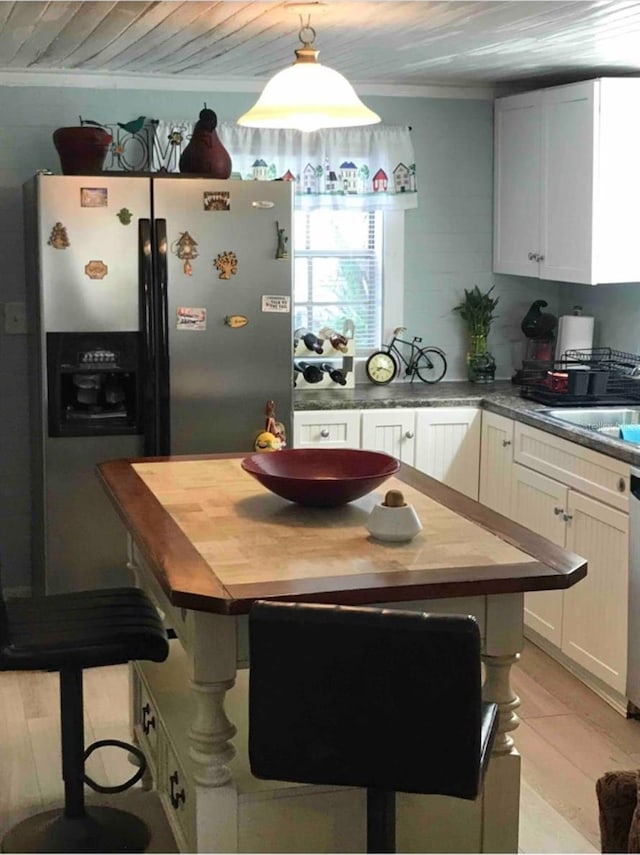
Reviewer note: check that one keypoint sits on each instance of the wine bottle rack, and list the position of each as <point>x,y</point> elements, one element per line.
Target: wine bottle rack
<point>338,358</point>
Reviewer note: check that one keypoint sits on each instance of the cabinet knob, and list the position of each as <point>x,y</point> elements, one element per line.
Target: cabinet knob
<point>622,485</point>
<point>567,517</point>
<point>557,511</point>
<point>409,434</point>
<point>506,442</point>
<point>324,433</point>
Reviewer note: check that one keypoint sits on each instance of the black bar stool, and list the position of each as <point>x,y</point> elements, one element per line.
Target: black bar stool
<point>384,699</point>
<point>66,633</point>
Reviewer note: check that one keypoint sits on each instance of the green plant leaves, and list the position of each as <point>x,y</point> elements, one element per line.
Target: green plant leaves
<point>478,310</point>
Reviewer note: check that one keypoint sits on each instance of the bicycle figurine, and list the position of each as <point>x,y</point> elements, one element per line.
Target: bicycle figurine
<point>429,363</point>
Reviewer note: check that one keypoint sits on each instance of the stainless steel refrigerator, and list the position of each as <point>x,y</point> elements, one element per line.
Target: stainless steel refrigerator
<point>160,321</point>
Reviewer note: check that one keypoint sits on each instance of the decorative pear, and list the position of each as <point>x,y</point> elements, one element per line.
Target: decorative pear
<point>204,153</point>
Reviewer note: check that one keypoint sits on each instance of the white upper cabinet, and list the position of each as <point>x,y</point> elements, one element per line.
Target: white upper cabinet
<point>517,184</point>
<point>566,177</point>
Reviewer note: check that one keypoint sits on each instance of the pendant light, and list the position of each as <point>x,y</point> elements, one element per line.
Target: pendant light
<point>308,96</point>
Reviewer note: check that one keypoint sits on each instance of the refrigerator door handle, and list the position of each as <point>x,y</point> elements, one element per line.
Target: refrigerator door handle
<point>162,336</point>
<point>147,327</point>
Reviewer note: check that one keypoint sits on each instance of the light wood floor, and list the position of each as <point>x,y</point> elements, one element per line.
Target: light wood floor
<point>567,737</point>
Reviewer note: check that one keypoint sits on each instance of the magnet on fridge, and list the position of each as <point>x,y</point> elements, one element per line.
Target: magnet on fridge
<point>94,197</point>
<point>281,251</point>
<point>236,321</point>
<point>227,264</point>
<point>219,200</point>
<point>124,215</point>
<point>96,269</point>
<point>185,248</point>
<point>58,238</point>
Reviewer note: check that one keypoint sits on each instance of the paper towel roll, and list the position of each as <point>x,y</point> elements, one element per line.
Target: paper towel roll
<point>575,332</point>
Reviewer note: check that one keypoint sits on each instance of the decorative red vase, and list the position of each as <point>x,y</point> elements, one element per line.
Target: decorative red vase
<point>204,154</point>
<point>81,150</point>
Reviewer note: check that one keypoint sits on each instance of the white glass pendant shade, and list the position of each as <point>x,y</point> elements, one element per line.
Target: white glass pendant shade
<point>306,97</point>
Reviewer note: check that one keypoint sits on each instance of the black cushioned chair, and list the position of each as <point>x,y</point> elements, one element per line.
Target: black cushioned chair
<point>66,633</point>
<point>384,699</point>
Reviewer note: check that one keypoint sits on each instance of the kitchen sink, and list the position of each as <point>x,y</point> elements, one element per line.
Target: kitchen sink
<point>603,420</point>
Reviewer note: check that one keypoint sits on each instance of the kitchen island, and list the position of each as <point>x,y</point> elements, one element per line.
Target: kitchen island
<point>205,540</point>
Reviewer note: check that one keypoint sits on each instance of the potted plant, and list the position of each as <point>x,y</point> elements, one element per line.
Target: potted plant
<point>477,309</point>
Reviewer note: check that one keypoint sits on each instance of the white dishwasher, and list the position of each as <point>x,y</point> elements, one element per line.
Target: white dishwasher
<point>633,664</point>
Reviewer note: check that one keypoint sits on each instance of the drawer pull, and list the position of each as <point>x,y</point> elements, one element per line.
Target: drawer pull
<point>531,256</point>
<point>324,433</point>
<point>148,720</point>
<point>409,434</point>
<point>557,511</point>
<point>176,796</point>
<point>622,485</point>
<point>567,517</point>
<point>506,442</point>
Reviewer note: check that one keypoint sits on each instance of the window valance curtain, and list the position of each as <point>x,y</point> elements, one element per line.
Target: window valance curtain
<point>365,168</point>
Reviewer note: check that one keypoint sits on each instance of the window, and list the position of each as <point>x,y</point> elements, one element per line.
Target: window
<point>338,272</point>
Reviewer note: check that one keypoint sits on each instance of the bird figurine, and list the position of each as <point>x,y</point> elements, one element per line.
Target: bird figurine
<point>537,324</point>
<point>204,153</point>
<point>134,126</point>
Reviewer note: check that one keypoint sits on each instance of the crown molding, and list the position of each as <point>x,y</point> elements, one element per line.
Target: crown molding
<point>89,80</point>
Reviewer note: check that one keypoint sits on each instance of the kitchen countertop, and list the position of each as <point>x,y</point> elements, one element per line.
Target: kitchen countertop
<point>501,397</point>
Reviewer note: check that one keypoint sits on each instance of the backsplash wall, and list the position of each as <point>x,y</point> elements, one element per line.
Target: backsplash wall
<point>447,243</point>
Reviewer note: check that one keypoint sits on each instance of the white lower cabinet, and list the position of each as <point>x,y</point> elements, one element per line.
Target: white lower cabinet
<point>539,503</point>
<point>391,431</point>
<point>496,462</point>
<point>594,623</point>
<point>443,442</point>
<point>581,507</point>
<point>448,446</point>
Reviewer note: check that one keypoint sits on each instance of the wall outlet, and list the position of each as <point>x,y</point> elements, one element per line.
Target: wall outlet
<point>15,318</point>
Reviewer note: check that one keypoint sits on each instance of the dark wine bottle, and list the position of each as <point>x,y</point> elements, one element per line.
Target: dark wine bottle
<point>336,374</point>
<point>310,372</point>
<point>311,341</point>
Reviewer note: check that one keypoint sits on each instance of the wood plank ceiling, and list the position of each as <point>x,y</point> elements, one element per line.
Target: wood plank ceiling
<point>383,42</point>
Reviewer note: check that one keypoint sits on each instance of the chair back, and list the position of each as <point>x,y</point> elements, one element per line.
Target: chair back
<point>366,697</point>
<point>4,619</point>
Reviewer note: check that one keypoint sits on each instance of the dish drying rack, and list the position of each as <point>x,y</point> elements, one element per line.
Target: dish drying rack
<point>598,375</point>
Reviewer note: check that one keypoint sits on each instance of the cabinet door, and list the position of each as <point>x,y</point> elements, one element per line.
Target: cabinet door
<point>326,429</point>
<point>448,446</point>
<point>496,463</point>
<point>392,431</point>
<point>594,631</point>
<point>569,115</point>
<point>517,185</point>
<point>540,504</point>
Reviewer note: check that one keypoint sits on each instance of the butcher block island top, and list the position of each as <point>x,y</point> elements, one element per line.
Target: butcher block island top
<point>216,540</point>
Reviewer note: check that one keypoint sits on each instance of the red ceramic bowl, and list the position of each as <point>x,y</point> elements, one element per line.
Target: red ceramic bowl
<point>321,477</point>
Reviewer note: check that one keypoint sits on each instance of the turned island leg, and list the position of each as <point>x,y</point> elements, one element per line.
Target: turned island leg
<point>213,665</point>
<point>501,793</point>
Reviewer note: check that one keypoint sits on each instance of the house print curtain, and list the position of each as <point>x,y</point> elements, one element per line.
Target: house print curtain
<point>369,167</point>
